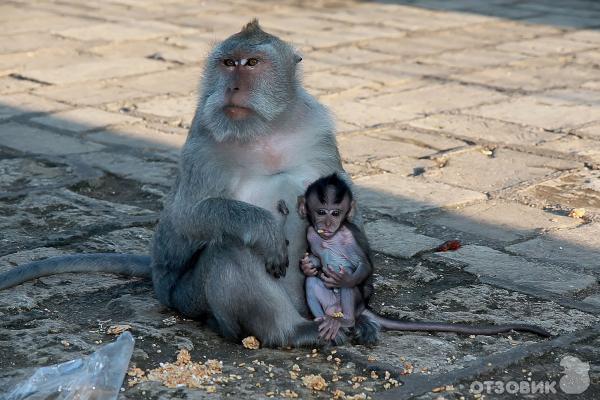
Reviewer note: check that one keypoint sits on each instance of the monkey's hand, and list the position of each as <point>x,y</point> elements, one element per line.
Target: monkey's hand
<point>273,246</point>
<point>334,279</point>
<point>329,327</point>
<point>307,266</point>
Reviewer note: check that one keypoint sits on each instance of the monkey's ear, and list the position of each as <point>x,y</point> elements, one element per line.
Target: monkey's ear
<point>302,207</point>
<point>297,58</point>
<point>352,211</point>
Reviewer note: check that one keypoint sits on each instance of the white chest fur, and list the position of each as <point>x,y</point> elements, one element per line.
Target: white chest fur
<point>272,168</point>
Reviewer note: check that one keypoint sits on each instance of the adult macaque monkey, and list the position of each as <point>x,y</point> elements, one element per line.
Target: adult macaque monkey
<point>341,251</point>
<point>257,136</point>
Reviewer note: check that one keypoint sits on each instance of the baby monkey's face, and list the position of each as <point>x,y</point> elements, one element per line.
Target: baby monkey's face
<point>327,217</point>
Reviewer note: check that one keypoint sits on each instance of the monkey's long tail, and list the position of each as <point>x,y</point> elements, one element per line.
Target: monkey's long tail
<point>395,325</point>
<point>122,264</point>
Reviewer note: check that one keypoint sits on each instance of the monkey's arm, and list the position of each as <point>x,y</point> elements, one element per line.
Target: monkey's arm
<point>216,219</point>
<point>343,279</point>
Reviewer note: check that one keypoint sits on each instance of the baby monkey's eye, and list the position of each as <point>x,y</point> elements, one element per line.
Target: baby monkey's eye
<point>252,62</point>
<point>321,212</point>
<point>335,213</point>
<point>229,62</point>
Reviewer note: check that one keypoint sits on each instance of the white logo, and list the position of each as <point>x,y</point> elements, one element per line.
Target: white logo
<point>577,378</point>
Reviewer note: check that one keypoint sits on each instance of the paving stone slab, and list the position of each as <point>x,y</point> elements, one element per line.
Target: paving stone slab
<point>577,190</point>
<point>177,81</point>
<point>499,220</point>
<point>592,131</point>
<point>39,141</point>
<point>478,170</point>
<point>484,261</point>
<point>58,214</point>
<point>435,141</point>
<point>470,59</point>
<point>364,115</point>
<point>139,137</point>
<point>396,239</point>
<point>362,148</point>
<point>83,119</point>
<point>91,93</point>
<point>435,98</point>
<point>133,30</point>
<point>404,165</point>
<point>180,108</point>
<point>9,85</point>
<point>17,174</point>
<point>545,46</point>
<point>530,77</point>
<point>539,112</point>
<point>32,41</point>
<point>574,146</point>
<point>131,167</point>
<point>15,105</point>
<point>579,247</point>
<point>593,299</point>
<point>17,63</point>
<point>482,129</point>
<point>395,194</point>
<point>95,70</point>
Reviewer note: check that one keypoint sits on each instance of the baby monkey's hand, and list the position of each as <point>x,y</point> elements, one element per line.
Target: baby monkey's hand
<point>307,266</point>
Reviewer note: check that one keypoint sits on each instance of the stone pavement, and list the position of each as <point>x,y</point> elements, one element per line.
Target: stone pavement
<point>470,120</point>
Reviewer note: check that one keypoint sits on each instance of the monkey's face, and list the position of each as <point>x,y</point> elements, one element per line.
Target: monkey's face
<point>327,217</point>
<point>247,86</point>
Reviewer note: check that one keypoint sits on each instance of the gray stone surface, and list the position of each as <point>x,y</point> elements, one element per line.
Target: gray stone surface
<point>395,194</point>
<point>486,171</point>
<point>397,240</point>
<point>500,221</point>
<point>436,103</point>
<point>484,261</point>
<point>83,119</point>
<point>579,247</point>
<point>35,140</point>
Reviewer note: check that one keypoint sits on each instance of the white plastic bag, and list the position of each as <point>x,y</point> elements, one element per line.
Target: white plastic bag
<point>96,377</point>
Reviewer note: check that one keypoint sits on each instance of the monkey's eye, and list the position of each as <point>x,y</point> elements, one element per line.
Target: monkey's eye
<point>252,62</point>
<point>229,62</point>
<point>322,212</point>
<point>335,213</point>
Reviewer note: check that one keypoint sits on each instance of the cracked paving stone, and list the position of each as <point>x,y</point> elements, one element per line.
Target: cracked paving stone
<point>15,105</point>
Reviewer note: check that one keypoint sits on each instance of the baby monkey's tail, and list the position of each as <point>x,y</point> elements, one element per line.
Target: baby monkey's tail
<point>396,325</point>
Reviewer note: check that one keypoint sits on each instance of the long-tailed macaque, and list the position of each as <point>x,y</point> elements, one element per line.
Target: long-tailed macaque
<point>220,251</point>
<point>338,270</point>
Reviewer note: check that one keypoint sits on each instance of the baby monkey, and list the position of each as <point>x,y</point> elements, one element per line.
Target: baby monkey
<point>339,265</point>
<point>339,271</point>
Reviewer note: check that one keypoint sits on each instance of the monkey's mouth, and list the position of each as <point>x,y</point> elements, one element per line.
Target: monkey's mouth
<point>324,233</point>
<point>237,112</point>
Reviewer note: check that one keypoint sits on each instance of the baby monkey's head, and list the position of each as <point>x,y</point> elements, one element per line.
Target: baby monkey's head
<point>327,204</point>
